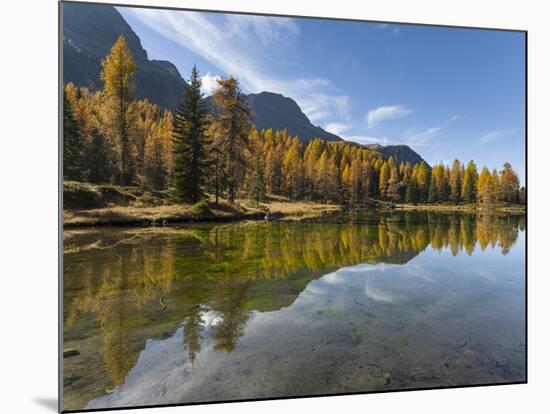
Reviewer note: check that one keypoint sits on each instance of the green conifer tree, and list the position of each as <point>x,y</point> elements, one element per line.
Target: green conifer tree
<point>190,143</point>
<point>72,143</point>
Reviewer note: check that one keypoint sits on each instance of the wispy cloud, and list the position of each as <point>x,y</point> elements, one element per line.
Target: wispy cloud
<point>319,106</point>
<point>373,140</point>
<point>414,136</point>
<point>249,47</point>
<point>424,136</point>
<point>496,135</point>
<point>267,30</point>
<point>385,113</point>
<point>369,139</point>
<point>222,43</point>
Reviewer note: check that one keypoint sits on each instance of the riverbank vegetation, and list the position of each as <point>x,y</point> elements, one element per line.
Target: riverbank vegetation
<point>108,204</point>
<point>132,153</point>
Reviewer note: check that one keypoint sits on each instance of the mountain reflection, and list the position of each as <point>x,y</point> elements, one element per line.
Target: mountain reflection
<point>122,287</point>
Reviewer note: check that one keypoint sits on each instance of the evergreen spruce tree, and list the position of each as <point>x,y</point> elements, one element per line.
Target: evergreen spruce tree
<point>72,143</point>
<point>99,162</point>
<point>411,195</point>
<point>190,143</point>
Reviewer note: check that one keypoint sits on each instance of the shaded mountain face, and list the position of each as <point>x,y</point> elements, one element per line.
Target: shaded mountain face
<point>89,32</point>
<point>273,110</point>
<point>400,153</point>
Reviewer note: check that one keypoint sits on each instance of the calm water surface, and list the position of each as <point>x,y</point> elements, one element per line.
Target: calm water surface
<point>207,312</point>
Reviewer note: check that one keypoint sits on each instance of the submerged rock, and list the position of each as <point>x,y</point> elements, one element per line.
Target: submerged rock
<point>273,216</point>
<point>70,352</point>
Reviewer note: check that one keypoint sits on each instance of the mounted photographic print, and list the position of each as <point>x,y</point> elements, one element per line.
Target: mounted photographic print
<point>259,207</point>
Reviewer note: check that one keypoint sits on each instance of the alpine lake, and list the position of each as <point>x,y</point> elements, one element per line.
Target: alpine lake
<point>350,302</point>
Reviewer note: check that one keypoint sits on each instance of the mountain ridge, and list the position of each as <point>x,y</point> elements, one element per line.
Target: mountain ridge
<point>276,111</point>
<point>272,110</point>
<point>399,152</point>
<point>90,30</point>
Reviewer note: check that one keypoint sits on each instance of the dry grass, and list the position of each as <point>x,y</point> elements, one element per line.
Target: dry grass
<point>178,213</point>
<point>81,196</point>
<point>292,210</point>
<point>128,215</point>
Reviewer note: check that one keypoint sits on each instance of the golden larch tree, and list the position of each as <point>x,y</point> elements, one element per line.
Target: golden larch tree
<point>117,72</point>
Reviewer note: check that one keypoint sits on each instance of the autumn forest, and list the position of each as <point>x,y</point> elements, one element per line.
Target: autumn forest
<point>212,151</point>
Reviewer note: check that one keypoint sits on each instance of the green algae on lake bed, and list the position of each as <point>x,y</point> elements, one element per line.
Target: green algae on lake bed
<point>246,310</point>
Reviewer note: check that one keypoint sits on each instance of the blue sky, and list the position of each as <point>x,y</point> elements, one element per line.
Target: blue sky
<point>448,93</point>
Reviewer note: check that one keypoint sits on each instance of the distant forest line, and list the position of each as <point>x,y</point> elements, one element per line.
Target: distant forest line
<point>110,137</point>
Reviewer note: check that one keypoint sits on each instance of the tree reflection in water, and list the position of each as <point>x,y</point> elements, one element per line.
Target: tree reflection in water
<point>126,286</point>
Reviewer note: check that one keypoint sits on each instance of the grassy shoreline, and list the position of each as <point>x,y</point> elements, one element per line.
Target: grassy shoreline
<point>184,213</point>
<point>87,205</point>
<point>175,214</point>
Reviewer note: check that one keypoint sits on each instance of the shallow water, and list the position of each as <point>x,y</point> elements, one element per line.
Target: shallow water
<point>208,312</point>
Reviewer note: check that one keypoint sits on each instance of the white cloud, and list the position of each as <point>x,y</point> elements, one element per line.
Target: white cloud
<point>384,113</point>
<point>496,135</point>
<point>248,47</point>
<point>318,116</point>
<point>319,106</point>
<point>210,83</point>
<point>336,127</point>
